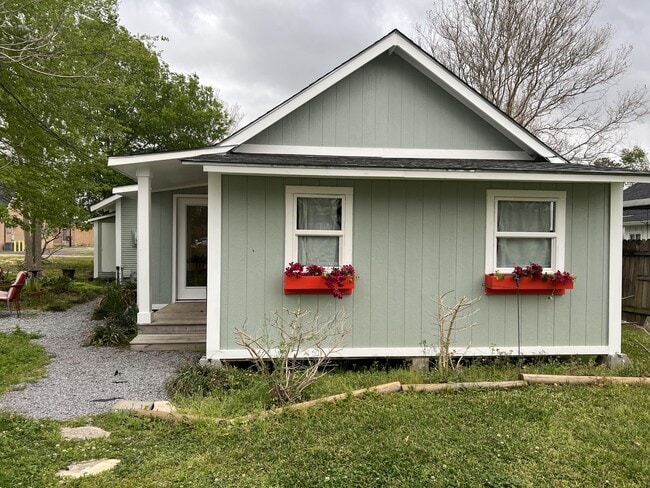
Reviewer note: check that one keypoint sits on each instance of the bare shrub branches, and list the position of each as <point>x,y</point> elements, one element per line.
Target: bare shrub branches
<point>448,318</point>
<point>293,349</point>
<point>542,62</point>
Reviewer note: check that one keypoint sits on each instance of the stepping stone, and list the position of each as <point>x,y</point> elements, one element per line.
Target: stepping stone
<point>163,406</point>
<point>88,468</point>
<point>83,433</point>
<point>132,405</point>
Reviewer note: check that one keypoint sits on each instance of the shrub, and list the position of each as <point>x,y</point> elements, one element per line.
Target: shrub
<point>294,351</point>
<point>195,379</point>
<point>57,284</point>
<point>119,310</point>
<point>113,332</point>
<point>117,298</point>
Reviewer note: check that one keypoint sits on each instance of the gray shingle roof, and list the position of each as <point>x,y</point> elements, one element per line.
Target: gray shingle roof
<point>638,191</point>
<point>636,214</point>
<point>478,165</point>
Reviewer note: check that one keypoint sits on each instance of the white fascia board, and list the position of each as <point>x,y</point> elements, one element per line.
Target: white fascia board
<point>633,223</point>
<point>384,152</point>
<point>106,202</point>
<point>101,217</point>
<point>411,352</point>
<point>417,174</point>
<point>122,190</point>
<point>636,203</point>
<point>165,156</point>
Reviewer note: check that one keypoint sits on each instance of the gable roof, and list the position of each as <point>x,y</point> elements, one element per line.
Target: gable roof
<point>397,43</point>
<point>638,191</point>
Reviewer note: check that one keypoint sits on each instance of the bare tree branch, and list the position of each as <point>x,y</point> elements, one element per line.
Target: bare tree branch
<point>544,63</point>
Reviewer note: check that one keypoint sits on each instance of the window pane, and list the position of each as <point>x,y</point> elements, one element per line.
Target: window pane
<point>319,213</point>
<point>517,216</point>
<point>513,252</point>
<point>196,271</point>
<point>318,250</point>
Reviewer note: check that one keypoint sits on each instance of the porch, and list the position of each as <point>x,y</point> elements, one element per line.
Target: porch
<point>179,326</point>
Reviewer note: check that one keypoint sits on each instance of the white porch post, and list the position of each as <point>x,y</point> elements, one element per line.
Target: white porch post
<point>118,237</point>
<point>615,267</point>
<point>144,238</point>
<point>213,305</point>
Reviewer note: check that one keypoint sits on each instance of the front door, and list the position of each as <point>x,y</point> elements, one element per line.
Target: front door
<point>191,248</point>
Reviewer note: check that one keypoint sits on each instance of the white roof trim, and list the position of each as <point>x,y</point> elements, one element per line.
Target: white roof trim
<point>121,190</point>
<point>101,217</point>
<point>165,156</point>
<point>418,174</point>
<point>105,203</point>
<point>427,66</point>
<point>384,152</point>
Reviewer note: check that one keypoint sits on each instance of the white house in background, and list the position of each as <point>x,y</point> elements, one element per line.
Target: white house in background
<point>393,164</point>
<point>636,212</point>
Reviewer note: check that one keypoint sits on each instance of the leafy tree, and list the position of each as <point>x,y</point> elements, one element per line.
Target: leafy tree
<point>542,62</point>
<point>635,158</point>
<point>75,87</point>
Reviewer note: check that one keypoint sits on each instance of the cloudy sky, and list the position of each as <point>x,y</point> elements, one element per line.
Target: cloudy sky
<point>258,53</point>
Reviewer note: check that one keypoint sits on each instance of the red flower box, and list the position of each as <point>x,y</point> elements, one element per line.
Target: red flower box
<point>313,285</point>
<point>506,285</point>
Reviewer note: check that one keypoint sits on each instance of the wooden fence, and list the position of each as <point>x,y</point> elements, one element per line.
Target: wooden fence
<point>636,280</point>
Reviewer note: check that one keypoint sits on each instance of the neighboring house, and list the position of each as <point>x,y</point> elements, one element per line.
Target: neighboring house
<point>393,164</point>
<point>14,238</point>
<point>636,212</point>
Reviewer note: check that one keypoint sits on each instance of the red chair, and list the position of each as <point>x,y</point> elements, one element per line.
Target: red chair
<point>13,295</point>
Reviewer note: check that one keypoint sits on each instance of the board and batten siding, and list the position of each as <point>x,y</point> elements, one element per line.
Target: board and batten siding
<point>129,220</point>
<point>162,241</point>
<point>162,245</point>
<point>387,103</point>
<point>412,242</point>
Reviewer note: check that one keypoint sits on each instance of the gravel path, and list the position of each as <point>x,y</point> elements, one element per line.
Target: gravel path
<point>84,380</point>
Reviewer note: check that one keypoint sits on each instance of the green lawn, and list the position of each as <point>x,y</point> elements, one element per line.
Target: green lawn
<point>20,359</point>
<point>533,436</point>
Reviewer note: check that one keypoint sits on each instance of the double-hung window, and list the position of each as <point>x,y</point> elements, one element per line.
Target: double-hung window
<point>525,227</point>
<point>319,225</point>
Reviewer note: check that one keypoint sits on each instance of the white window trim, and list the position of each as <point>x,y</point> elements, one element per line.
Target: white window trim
<point>557,249</point>
<point>291,208</point>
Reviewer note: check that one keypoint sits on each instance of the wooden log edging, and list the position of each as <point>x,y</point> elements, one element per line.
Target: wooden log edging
<point>394,387</point>
<point>551,379</point>
<point>379,389</point>
<point>437,387</point>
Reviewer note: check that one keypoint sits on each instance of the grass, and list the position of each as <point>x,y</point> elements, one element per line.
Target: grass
<point>83,264</point>
<point>540,436</point>
<point>21,360</point>
<point>40,296</point>
<point>534,436</point>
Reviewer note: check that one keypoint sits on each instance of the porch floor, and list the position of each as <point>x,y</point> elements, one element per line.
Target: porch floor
<point>178,326</point>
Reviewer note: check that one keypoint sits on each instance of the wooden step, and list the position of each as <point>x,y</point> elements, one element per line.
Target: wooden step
<point>168,342</point>
<point>158,328</point>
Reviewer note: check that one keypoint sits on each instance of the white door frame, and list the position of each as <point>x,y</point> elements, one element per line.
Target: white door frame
<point>179,250</point>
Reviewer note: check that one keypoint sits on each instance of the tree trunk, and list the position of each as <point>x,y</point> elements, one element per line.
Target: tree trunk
<point>33,256</point>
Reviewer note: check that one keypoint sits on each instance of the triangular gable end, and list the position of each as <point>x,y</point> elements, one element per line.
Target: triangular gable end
<point>391,99</point>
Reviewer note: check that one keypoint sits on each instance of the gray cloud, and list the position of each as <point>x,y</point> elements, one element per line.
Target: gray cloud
<point>257,54</point>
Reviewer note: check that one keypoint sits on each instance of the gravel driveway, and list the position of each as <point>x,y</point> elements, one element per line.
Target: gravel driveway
<point>84,380</point>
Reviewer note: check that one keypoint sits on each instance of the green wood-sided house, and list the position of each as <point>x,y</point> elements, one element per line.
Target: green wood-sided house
<point>393,164</point>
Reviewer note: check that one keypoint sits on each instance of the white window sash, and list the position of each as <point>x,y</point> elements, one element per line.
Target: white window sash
<point>492,234</point>
<point>293,233</point>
